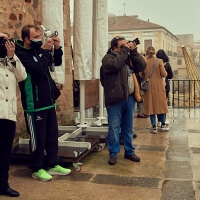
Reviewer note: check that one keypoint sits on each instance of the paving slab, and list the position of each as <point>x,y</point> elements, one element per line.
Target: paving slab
<point>169,168</point>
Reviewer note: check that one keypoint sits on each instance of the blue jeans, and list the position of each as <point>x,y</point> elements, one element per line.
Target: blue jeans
<point>120,116</point>
<point>161,118</point>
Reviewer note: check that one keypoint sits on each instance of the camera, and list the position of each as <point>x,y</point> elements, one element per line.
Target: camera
<point>3,40</point>
<point>49,33</point>
<point>136,40</point>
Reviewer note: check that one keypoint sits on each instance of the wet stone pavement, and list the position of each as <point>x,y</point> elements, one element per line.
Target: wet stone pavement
<point>169,168</point>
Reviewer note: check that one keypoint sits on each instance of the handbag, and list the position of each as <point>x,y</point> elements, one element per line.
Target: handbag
<point>145,84</point>
<point>136,93</point>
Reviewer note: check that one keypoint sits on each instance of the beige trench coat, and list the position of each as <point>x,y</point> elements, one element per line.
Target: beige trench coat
<point>155,97</point>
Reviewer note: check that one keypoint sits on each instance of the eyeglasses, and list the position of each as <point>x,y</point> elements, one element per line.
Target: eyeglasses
<point>114,41</point>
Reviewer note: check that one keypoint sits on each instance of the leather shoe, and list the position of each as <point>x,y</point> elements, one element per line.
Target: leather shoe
<point>132,158</point>
<point>142,116</point>
<point>134,135</point>
<point>112,160</point>
<point>9,192</point>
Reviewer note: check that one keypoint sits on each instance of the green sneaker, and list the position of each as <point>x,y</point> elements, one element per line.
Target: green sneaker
<point>58,170</point>
<point>42,175</point>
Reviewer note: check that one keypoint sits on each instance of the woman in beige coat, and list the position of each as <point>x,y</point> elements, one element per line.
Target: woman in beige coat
<point>155,96</point>
<point>11,72</point>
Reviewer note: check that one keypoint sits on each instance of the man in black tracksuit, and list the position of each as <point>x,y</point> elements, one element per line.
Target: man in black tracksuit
<point>38,100</point>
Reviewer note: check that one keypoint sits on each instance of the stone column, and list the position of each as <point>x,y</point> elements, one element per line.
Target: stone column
<point>52,18</point>
<point>56,16</point>
<point>82,39</point>
<point>100,44</point>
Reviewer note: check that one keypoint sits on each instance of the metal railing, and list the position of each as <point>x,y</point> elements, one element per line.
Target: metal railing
<point>184,94</point>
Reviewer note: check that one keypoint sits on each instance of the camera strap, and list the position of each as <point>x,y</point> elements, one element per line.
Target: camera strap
<point>152,68</point>
<point>52,67</point>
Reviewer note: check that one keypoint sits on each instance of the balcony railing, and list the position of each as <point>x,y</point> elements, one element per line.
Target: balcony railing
<point>184,94</point>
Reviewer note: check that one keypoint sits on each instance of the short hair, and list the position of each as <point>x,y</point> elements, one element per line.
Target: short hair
<point>115,40</point>
<point>25,32</point>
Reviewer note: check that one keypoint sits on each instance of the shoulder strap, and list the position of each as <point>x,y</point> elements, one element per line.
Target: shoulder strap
<point>152,68</point>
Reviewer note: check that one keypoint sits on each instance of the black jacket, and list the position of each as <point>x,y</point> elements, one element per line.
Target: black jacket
<point>37,89</point>
<point>169,76</point>
<point>162,55</point>
<point>114,74</point>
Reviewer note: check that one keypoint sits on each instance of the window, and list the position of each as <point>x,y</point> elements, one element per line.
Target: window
<point>179,62</point>
<point>147,43</point>
<point>109,44</point>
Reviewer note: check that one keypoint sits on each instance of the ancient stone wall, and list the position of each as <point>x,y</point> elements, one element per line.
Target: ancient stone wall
<point>14,14</point>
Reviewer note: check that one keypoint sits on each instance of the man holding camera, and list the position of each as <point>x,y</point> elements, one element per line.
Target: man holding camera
<point>38,100</point>
<point>121,60</point>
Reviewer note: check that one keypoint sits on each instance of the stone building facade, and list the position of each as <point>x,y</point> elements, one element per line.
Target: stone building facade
<point>14,14</point>
<point>149,34</point>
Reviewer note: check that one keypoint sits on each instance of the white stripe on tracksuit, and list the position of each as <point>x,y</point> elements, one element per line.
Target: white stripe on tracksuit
<point>30,125</point>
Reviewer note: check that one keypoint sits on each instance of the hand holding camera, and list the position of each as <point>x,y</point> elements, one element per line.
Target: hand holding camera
<point>51,39</point>
<point>3,35</point>
<point>56,42</point>
<point>133,44</point>
<point>7,46</point>
<point>48,44</point>
<point>10,46</point>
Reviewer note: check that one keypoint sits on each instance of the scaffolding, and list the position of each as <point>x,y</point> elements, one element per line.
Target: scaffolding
<point>193,75</point>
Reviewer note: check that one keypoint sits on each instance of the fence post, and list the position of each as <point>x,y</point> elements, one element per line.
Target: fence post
<point>170,94</point>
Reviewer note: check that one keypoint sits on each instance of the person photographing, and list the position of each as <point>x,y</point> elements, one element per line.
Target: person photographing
<point>117,80</point>
<point>38,100</point>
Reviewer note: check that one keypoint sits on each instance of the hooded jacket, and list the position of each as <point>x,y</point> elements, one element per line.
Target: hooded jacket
<point>162,55</point>
<point>37,91</point>
<point>114,73</point>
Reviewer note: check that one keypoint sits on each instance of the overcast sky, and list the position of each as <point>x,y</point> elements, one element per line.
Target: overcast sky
<point>178,16</point>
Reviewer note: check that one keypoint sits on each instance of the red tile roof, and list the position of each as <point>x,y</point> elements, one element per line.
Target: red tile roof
<point>129,23</point>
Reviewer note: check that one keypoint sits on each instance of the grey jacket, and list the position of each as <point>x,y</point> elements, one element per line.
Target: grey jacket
<point>114,74</point>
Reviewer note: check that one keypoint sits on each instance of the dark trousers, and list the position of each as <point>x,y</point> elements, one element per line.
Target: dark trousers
<point>43,129</point>
<point>7,134</point>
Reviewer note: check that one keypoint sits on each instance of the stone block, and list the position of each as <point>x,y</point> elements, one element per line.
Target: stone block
<point>20,17</point>
<point>3,9</point>
<point>35,3</point>
<point>18,25</point>
<point>10,25</point>
<point>12,16</point>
